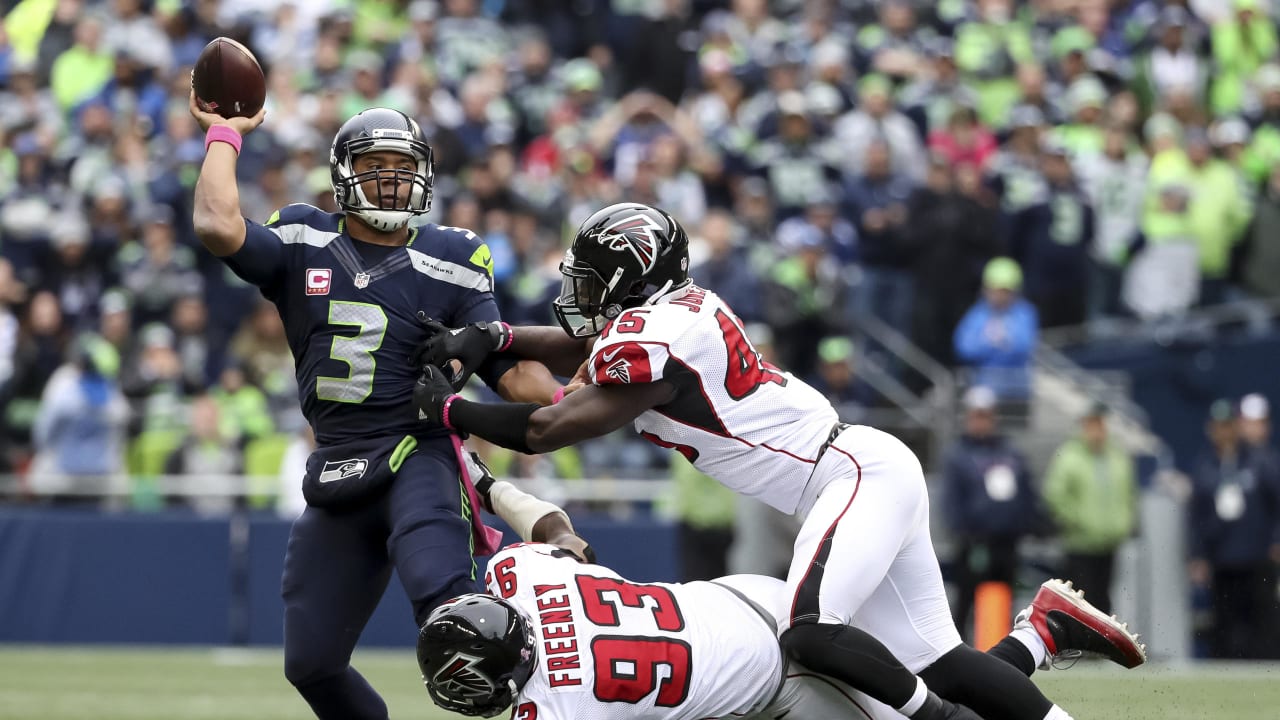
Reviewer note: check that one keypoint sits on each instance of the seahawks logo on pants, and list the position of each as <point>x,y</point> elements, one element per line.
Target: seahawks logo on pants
<point>343,469</point>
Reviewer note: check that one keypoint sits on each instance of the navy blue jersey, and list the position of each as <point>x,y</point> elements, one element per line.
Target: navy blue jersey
<point>352,328</point>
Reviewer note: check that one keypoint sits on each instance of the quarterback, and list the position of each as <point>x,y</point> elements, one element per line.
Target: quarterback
<point>866,603</point>
<point>558,638</point>
<point>383,491</point>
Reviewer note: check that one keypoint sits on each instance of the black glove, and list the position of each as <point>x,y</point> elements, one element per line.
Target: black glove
<point>935,708</point>
<point>430,393</point>
<point>469,345</point>
<point>483,483</point>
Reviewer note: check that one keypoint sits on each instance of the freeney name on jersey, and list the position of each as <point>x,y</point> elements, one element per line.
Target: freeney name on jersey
<point>559,639</point>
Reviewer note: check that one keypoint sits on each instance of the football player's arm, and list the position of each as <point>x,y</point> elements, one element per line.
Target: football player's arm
<point>535,519</point>
<point>514,379</point>
<point>551,346</point>
<point>591,412</point>
<point>527,382</point>
<point>216,213</point>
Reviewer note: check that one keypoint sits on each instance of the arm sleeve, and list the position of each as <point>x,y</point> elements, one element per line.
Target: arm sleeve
<point>519,509</point>
<point>260,260</point>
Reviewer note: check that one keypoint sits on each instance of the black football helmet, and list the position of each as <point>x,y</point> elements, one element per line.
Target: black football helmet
<point>476,652</point>
<point>621,257</point>
<point>385,130</point>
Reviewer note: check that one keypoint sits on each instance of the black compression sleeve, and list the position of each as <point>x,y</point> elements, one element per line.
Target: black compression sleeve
<point>505,424</point>
<point>993,688</point>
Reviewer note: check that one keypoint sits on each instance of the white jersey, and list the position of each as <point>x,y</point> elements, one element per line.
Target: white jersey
<point>742,421</point>
<point>613,649</point>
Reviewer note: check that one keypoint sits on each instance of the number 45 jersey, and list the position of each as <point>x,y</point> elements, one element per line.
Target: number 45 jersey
<point>609,649</point>
<point>737,418</point>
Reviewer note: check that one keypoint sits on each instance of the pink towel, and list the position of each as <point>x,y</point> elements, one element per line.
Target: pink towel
<point>487,540</point>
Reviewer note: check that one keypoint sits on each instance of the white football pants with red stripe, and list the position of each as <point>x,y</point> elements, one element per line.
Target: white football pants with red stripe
<point>864,556</point>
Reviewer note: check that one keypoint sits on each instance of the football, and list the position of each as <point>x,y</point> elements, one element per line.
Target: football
<point>228,80</point>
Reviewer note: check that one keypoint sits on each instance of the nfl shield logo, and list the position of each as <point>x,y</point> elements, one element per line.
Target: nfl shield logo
<point>362,281</point>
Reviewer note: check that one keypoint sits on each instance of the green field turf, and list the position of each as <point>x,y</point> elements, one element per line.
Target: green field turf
<point>40,683</point>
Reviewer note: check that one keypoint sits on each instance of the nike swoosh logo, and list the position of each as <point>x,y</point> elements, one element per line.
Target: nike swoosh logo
<point>611,353</point>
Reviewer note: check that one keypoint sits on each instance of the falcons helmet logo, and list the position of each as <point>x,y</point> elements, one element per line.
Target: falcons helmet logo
<point>637,233</point>
<point>459,678</point>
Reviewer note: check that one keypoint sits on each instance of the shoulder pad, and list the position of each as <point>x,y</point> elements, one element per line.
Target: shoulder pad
<point>303,214</point>
<point>456,245</point>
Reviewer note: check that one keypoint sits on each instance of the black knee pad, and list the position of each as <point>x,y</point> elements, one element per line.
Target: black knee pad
<point>810,643</point>
<point>853,656</point>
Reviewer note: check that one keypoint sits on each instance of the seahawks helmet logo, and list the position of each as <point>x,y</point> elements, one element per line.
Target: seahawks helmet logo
<point>637,233</point>
<point>460,680</point>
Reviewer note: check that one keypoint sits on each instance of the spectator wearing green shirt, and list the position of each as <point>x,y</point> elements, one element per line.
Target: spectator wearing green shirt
<point>80,72</point>
<point>1241,44</point>
<point>1091,492</point>
<point>987,52</point>
<point>1217,213</point>
<point>1084,134</point>
<point>1264,148</point>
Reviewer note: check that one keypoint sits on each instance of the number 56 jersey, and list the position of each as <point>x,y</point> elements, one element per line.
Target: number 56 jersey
<point>736,417</point>
<point>611,649</point>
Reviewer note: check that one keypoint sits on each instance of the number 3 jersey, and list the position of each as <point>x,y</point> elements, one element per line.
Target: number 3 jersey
<point>737,418</point>
<point>610,649</point>
<point>349,311</point>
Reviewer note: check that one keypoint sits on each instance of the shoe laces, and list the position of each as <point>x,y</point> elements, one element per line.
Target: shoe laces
<point>1065,660</point>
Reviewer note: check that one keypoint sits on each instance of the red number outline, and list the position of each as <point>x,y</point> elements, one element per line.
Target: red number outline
<point>666,613</point>
<point>630,322</point>
<point>645,655</point>
<point>746,371</point>
<point>506,579</point>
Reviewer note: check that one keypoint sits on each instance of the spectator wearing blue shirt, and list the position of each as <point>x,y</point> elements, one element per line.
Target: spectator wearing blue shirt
<point>999,333</point>
<point>79,430</point>
<point>990,502</point>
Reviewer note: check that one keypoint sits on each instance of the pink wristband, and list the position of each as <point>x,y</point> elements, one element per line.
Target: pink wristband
<point>511,336</point>
<point>444,415</point>
<point>558,395</point>
<point>222,133</point>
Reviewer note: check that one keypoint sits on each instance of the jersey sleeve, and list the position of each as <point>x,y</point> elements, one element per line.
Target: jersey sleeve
<point>260,260</point>
<point>634,348</point>
<point>264,257</point>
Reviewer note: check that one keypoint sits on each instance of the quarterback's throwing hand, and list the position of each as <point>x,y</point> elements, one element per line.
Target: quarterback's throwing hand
<point>430,394</point>
<point>242,125</point>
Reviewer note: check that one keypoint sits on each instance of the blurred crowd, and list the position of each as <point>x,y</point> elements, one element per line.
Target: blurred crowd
<point>966,172</point>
